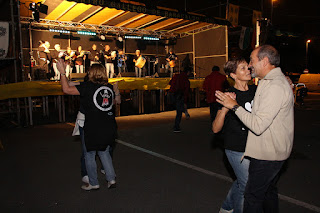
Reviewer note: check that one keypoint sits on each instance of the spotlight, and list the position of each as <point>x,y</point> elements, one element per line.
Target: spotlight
<point>102,37</point>
<point>120,38</point>
<point>36,9</point>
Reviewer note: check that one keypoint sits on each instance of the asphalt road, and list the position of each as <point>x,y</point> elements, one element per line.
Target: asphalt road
<point>157,170</point>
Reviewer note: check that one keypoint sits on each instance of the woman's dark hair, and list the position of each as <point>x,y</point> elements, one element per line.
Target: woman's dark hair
<point>232,65</point>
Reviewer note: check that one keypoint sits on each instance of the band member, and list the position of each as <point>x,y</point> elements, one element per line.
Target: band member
<point>79,59</point>
<point>94,55</point>
<point>70,56</point>
<point>122,66</point>
<point>44,60</point>
<point>108,61</point>
<point>55,55</point>
<point>171,61</point>
<point>139,61</point>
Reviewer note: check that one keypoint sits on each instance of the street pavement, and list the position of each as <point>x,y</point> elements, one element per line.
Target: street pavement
<point>157,170</point>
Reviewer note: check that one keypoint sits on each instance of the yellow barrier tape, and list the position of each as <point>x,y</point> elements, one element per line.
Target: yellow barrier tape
<point>42,88</point>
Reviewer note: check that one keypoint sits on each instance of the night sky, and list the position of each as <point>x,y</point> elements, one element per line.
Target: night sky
<point>300,18</point>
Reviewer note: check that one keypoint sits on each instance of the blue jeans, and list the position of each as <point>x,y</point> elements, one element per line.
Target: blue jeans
<point>82,158</point>
<point>235,197</point>
<point>261,194</point>
<point>106,160</point>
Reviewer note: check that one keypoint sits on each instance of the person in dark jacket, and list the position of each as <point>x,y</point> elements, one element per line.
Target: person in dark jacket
<point>97,98</point>
<point>179,87</point>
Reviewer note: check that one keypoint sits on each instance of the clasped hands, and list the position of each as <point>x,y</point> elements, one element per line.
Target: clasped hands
<point>227,99</point>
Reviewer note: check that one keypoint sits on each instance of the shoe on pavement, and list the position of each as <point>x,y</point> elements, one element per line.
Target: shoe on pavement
<point>85,179</point>
<point>88,187</point>
<point>225,211</point>
<point>111,184</point>
<point>102,171</point>
<point>177,130</point>
<point>188,116</point>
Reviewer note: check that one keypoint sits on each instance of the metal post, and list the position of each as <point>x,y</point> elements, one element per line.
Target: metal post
<point>161,100</point>
<point>194,56</point>
<point>63,109</point>
<point>31,52</point>
<point>30,111</point>
<point>197,97</point>
<point>26,111</point>
<point>18,112</point>
<point>43,106</point>
<point>14,43</point>
<point>47,106</point>
<point>59,108</point>
<point>21,47</point>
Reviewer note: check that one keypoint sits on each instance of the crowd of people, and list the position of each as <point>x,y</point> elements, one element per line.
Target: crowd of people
<point>256,122</point>
<point>79,61</point>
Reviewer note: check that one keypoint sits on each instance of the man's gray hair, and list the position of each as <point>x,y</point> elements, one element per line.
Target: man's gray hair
<point>271,53</point>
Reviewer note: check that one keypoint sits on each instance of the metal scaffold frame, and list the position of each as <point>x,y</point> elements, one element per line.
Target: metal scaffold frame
<point>75,26</point>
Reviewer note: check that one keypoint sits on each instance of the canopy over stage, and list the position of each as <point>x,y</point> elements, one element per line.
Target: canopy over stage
<point>204,39</point>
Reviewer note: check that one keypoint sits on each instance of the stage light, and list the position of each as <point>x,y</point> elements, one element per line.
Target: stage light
<point>36,9</point>
<point>150,38</point>
<point>86,33</point>
<point>120,38</point>
<point>132,37</point>
<point>59,31</point>
<point>102,37</point>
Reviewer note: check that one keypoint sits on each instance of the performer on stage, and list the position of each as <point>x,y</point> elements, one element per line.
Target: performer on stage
<point>44,60</point>
<point>171,61</point>
<point>122,66</point>
<point>70,56</point>
<point>55,55</point>
<point>79,59</point>
<point>139,61</point>
<point>108,61</point>
<point>94,55</point>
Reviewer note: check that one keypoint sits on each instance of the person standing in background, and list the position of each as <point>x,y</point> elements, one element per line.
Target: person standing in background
<point>108,61</point>
<point>79,55</point>
<point>44,60</point>
<point>179,87</point>
<point>213,82</point>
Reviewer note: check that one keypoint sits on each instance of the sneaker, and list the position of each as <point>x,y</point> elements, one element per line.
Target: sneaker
<point>85,179</point>
<point>88,187</point>
<point>111,184</point>
<point>102,171</point>
<point>177,130</point>
<point>225,211</point>
<point>187,116</point>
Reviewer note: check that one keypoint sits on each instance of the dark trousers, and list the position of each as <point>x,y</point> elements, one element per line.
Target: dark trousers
<point>261,194</point>
<point>179,102</point>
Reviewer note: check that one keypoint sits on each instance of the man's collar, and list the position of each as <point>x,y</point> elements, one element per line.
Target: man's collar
<point>273,73</point>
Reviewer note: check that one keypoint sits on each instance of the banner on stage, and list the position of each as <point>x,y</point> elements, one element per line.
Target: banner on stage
<point>4,39</point>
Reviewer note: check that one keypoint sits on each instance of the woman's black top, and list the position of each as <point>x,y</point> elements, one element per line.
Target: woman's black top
<point>97,101</point>
<point>234,131</point>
